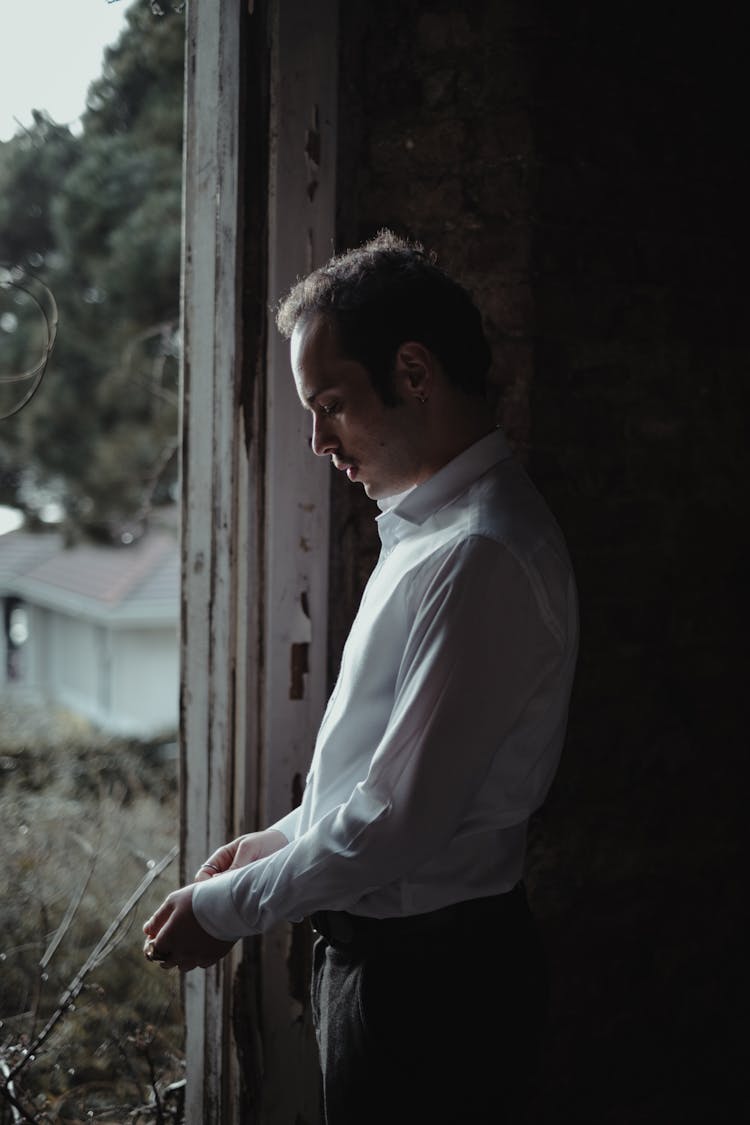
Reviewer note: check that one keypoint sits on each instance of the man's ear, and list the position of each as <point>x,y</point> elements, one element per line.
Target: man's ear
<point>415,367</point>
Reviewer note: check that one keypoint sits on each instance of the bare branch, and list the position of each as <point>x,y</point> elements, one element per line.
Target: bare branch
<point>68,917</point>
<point>94,959</point>
<point>16,278</point>
<point>8,1092</point>
<point>165,457</point>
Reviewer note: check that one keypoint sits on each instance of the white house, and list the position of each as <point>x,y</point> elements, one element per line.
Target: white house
<point>93,628</point>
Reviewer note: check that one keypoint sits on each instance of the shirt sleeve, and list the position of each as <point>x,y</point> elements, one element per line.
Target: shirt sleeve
<point>488,639</point>
<point>287,826</point>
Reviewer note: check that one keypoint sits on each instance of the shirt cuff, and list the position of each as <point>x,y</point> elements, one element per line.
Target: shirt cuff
<point>214,909</point>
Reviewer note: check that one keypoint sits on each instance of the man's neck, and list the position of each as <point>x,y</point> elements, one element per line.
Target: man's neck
<point>453,431</point>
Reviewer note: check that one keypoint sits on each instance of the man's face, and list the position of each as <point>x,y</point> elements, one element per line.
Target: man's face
<point>376,445</point>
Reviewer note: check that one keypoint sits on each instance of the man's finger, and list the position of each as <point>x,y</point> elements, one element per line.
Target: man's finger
<point>157,920</point>
<point>217,862</point>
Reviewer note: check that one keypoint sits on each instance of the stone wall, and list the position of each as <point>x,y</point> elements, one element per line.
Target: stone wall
<point>583,169</point>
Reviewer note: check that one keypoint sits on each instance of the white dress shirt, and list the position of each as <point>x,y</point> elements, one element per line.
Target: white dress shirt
<point>446,723</point>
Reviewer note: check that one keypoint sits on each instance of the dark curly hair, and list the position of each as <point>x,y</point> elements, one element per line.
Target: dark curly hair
<point>383,293</point>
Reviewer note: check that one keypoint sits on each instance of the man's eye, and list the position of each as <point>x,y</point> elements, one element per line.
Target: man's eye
<point>330,408</point>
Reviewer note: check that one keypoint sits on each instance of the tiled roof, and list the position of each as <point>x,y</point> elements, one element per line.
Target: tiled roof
<point>100,580</point>
<point>20,550</point>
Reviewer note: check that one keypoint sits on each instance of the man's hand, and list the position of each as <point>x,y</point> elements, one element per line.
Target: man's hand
<point>175,939</point>
<point>174,936</point>
<point>240,852</point>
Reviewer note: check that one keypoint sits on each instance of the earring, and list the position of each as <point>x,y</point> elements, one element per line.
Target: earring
<point>422,399</point>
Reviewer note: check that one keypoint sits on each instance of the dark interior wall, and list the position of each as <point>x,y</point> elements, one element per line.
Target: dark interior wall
<point>582,167</point>
<point>638,410</point>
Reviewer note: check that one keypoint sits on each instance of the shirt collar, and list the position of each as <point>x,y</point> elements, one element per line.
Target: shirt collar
<point>416,504</point>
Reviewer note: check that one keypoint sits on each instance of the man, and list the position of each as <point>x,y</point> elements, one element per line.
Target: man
<point>444,729</point>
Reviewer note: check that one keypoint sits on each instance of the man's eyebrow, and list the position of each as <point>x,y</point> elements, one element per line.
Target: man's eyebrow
<point>310,399</point>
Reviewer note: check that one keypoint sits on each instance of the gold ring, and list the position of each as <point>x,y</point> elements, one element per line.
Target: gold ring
<point>151,953</point>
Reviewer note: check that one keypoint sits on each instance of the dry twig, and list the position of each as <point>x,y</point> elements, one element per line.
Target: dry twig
<point>100,951</point>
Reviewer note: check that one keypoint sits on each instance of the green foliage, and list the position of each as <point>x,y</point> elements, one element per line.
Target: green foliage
<point>97,218</point>
<point>136,92</point>
<point>32,167</point>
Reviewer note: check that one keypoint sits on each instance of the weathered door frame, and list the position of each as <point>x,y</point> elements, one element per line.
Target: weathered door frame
<point>259,206</point>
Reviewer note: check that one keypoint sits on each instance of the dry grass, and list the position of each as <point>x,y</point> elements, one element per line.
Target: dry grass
<point>84,817</point>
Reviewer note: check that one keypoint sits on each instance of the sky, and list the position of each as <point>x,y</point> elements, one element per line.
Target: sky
<point>50,52</point>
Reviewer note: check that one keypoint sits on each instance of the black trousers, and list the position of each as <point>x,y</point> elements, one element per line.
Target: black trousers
<point>432,1028</point>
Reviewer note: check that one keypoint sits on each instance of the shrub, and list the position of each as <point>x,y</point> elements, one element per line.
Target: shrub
<point>86,818</point>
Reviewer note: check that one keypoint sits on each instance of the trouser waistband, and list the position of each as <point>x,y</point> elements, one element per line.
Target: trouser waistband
<point>354,931</point>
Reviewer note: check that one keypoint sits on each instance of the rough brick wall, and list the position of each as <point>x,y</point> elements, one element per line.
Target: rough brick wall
<point>435,143</point>
<point>583,169</point>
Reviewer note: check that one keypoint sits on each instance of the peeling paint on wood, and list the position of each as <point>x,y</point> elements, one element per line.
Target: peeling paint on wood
<point>312,154</point>
<point>255,518</point>
<point>299,667</point>
<point>301,234</point>
<point>211,486</point>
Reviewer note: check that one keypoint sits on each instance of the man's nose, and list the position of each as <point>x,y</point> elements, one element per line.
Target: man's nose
<point>323,443</point>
